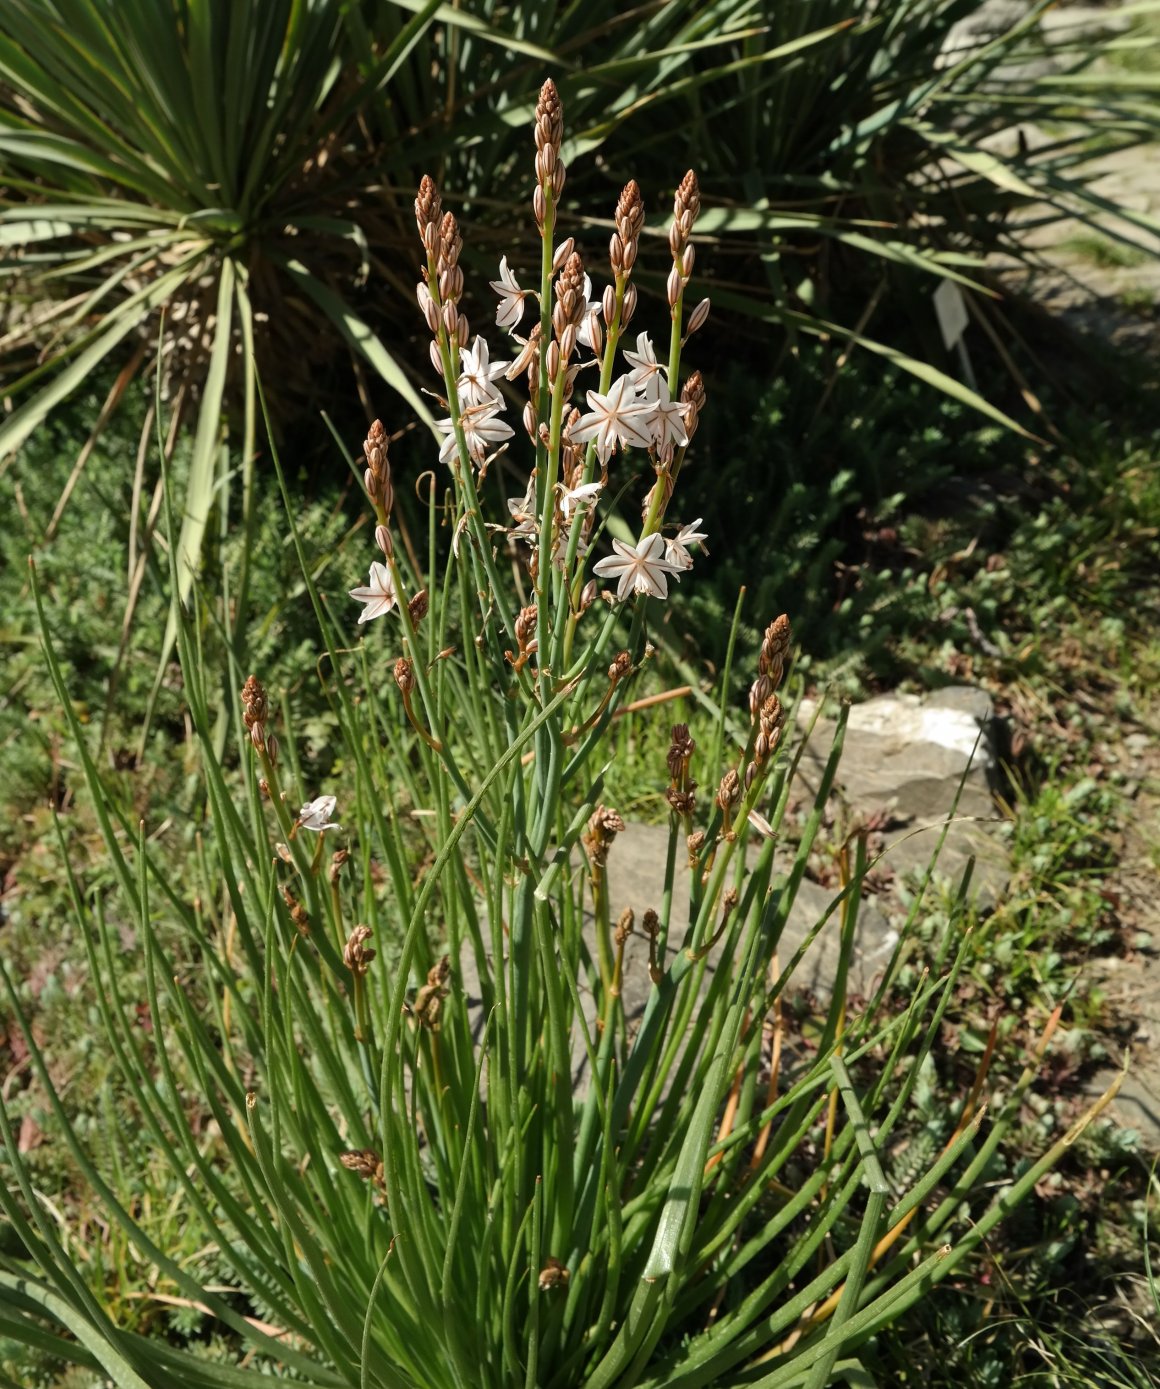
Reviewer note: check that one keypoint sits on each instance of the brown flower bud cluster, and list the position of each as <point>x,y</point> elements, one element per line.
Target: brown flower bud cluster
<point>364,1163</point>
<point>620,668</point>
<point>567,317</point>
<point>428,215</point>
<point>404,677</point>
<point>694,843</point>
<point>729,791</point>
<point>429,999</point>
<point>298,914</point>
<point>771,663</point>
<point>439,233</point>
<point>355,955</point>
<point>553,1275</point>
<point>255,712</point>
<point>629,219</point>
<point>550,171</point>
<point>429,220</point>
<point>650,924</point>
<point>377,481</point>
<point>450,287</point>
<point>525,637</point>
<point>686,206</point>
<point>418,607</point>
<point>603,827</point>
<point>770,721</point>
<point>681,790</point>
<point>623,247</point>
<point>624,926</point>
<point>693,401</point>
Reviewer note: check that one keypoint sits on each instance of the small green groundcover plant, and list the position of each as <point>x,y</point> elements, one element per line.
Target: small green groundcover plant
<point>458,1162</point>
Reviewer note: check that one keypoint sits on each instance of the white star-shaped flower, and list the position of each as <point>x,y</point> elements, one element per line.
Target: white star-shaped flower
<point>668,421</point>
<point>639,568</point>
<point>617,416</point>
<point>477,372</point>
<point>676,549</point>
<point>646,370</point>
<point>482,427</point>
<point>378,597</point>
<point>511,298</point>
<point>315,815</point>
<point>573,498</point>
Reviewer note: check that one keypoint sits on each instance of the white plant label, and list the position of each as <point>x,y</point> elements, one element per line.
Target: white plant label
<point>951,308</point>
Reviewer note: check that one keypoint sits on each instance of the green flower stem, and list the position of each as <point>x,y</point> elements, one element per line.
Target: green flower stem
<point>441,744</point>
<point>494,590</point>
<point>567,611</point>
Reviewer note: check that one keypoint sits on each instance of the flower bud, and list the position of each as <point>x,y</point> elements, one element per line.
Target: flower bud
<point>562,252</point>
<point>619,668</point>
<point>355,955</point>
<point>729,791</point>
<point>404,676</point>
<point>418,606</point>
<point>697,317</point>
<point>383,541</point>
<point>673,287</point>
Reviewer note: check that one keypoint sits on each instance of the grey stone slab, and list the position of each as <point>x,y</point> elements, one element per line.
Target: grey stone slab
<point>636,871</point>
<point>909,755</point>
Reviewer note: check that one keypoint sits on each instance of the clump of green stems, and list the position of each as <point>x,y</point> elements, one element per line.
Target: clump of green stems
<point>456,1161</point>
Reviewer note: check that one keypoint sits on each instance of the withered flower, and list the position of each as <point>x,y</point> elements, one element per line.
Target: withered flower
<point>553,1275</point>
<point>604,825</point>
<point>429,999</point>
<point>355,955</point>
<point>364,1163</point>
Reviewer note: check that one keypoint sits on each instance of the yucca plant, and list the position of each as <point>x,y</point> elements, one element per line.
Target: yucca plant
<point>217,185</point>
<point>458,1162</point>
<point>185,188</point>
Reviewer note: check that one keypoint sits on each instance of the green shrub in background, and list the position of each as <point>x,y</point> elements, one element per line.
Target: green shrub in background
<point>387,1151</point>
<point>242,166</point>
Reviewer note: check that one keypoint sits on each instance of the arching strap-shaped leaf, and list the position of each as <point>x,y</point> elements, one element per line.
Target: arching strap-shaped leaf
<point>359,335</point>
<point>56,1309</point>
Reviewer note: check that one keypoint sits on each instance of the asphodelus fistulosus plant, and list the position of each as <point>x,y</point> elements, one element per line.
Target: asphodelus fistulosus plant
<point>457,1161</point>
